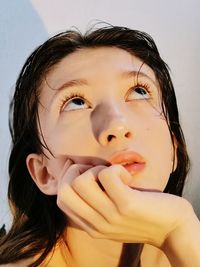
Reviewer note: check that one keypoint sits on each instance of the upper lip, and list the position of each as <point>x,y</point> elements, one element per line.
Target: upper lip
<point>126,157</point>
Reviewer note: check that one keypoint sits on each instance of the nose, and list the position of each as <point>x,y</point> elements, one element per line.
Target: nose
<point>110,125</point>
<point>116,132</point>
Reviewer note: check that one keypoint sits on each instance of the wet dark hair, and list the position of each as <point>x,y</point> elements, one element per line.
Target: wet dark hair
<point>38,223</point>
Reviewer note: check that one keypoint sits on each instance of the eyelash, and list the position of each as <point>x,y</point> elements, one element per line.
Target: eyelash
<point>70,97</point>
<point>81,95</point>
<point>145,86</point>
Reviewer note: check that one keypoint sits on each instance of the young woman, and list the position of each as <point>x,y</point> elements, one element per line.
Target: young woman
<point>98,158</point>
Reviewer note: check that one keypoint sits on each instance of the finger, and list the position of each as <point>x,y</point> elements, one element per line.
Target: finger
<point>68,199</point>
<point>112,180</point>
<point>71,171</point>
<point>87,187</point>
<point>66,166</point>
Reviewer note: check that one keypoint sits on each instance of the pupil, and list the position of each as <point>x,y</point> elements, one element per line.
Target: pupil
<point>140,91</point>
<point>78,101</point>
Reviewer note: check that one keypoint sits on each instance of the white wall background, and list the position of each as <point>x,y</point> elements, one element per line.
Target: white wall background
<point>173,24</point>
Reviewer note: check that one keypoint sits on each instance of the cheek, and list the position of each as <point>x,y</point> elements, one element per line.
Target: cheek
<point>56,165</point>
<point>159,155</point>
<point>70,137</point>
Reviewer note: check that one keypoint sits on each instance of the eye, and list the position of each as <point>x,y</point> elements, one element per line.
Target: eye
<point>74,102</point>
<point>139,92</point>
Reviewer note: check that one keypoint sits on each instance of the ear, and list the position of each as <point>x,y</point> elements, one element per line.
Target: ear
<point>36,165</point>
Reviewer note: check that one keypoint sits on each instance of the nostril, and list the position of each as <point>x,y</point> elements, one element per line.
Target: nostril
<point>110,137</point>
<point>128,135</point>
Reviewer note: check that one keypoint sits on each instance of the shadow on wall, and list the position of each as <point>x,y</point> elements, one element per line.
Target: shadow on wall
<point>21,30</point>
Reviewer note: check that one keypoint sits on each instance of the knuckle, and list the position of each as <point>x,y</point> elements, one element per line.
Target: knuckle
<point>116,167</point>
<point>126,210</point>
<point>60,202</point>
<point>114,219</point>
<point>104,229</point>
<point>79,181</point>
<point>98,168</point>
<point>105,172</point>
<point>95,234</point>
<point>75,183</point>
<point>62,192</point>
<point>74,167</point>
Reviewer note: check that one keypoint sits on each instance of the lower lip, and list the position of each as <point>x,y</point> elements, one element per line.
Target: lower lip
<point>135,167</point>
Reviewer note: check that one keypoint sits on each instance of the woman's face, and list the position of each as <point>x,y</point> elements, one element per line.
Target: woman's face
<point>98,103</point>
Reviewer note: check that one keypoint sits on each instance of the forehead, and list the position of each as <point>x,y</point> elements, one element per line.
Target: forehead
<point>96,63</point>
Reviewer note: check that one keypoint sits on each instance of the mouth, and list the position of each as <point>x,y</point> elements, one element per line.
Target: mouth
<point>132,161</point>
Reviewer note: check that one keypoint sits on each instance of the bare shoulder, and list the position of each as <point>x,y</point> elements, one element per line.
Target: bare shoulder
<point>152,256</point>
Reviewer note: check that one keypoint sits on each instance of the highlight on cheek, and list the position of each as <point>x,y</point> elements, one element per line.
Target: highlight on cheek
<point>146,92</point>
<point>66,100</point>
<point>144,85</point>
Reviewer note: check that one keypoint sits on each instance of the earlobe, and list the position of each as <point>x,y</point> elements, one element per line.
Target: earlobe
<point>37,168</point>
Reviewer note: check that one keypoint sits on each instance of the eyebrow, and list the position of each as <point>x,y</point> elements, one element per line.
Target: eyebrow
<point>83,82</point>
<point>71,83</point>
<point>133,73</point>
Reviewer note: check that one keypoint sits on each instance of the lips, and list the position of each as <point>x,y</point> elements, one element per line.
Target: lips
<point>130,160</point>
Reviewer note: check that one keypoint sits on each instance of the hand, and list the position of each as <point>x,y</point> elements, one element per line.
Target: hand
<point>118,212</point>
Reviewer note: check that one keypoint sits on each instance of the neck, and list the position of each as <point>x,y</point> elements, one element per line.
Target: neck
<point>87,251</point>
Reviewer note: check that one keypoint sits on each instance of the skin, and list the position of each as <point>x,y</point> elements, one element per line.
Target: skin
<point>81,134</point>
<point>130,207</point>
